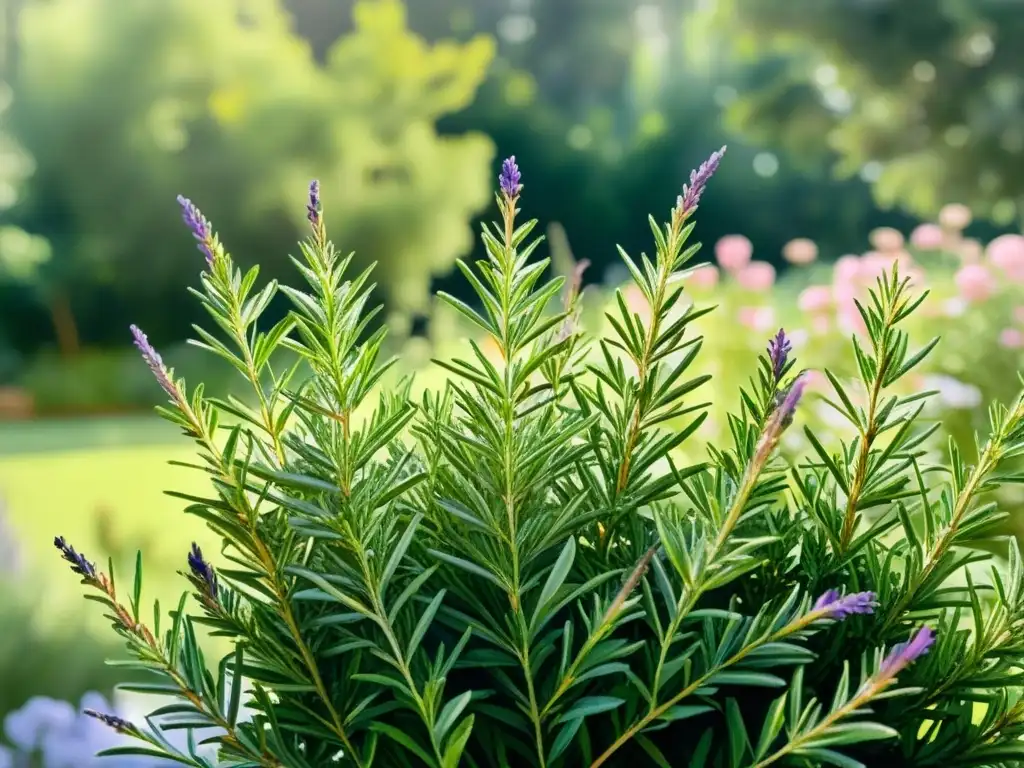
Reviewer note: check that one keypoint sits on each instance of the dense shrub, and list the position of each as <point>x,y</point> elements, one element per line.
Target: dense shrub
<point>512,570</point>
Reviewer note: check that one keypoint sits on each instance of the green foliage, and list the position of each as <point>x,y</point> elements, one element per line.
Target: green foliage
<point>930,90</point>
<point>511,570</point>
<point>130,100</point>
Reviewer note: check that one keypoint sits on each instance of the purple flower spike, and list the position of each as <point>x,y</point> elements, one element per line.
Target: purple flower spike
<point>155,363</point>
<point>905,654</point>
<point>839,607</point>
<point>314,208</point>
<point>119,724</point>
<point>202,571</point>
<point>510,178</point>
<point>687,202</point>
<point>79,564</point>
<point>200,227</point>
<point>778,353</point>
<point>790,401</point>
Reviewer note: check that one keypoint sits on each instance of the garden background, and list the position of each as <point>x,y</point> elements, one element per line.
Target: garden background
<point>860,132</point>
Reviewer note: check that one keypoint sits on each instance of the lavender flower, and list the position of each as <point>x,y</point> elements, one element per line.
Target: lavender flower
<point>202,572</point>
<point>79,564</point>
<point>510,178</point>
<point>790,400</point>
<point>779,421</point>
<point>201,229</point>
<point>155,363</point>
<point>778,353</point>
<point>54,734</point>
<point>903,655</point>
<point>119,724</point>
<point>687,202</point>
<point>840,607</point>
<point>314,209</point>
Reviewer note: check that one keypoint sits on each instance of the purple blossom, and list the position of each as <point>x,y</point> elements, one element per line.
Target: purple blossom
<point>200,227</point>
<point>839,607</point>
<point>510,178</point>
<point>79,564</point>
<point>203,572</point>
<point>155,362</point>
<point>789,401</point>
<point>687,202</point>
<point>780,419</point>
<point>903,655</point>
<point>778,353</point>
<point>314,209</point>
<point>119,724</point>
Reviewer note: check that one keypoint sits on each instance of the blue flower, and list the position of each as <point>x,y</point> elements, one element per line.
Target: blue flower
<point>687,202</point>
<point>905,654</point>
<point>778,353</point>
<point>155,362</point>
<point>200,227</point>
<point>837,606</point>
<point>510,179</point>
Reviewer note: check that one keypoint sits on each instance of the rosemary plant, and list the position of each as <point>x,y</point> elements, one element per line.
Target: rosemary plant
<point>516,571</point>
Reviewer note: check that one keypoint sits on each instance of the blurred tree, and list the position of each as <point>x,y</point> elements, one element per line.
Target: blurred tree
<point>125,103</point>
<point>23,256</point>
<point>924,98</point>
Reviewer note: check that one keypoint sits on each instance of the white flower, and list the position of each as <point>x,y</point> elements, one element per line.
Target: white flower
<point>953,393</point>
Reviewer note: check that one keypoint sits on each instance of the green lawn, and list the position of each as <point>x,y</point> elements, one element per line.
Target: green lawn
<point>20,437</point>
<point>100,483</point>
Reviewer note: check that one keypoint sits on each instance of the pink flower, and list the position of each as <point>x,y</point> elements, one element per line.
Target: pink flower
<point>846,269</point>
<point>975,282</point>
<point>914,273</point>
<point>814,299</point>
<point>636,301</point>
<point>757,318</point>
<point>873,266</point>
<point>1007,253</point>
<point>733,252</point>
<point>886,239</point>
<point>955,216</point>
<point>800,251</point>
<point>927,237</point>
<point>844,294</point>
<point>848,317</point>
<point>816,381</point>
<point>954,307</point>
<point>1012,338</point>
<point>704,277</point>
<point>970,251</point>
<point>819,325</point>
<point>756,276</point>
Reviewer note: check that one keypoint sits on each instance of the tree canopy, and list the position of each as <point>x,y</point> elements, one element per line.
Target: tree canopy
<point>925,98</point>
<point>124,104</point>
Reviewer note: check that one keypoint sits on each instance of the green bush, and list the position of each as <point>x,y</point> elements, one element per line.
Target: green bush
<point>512,570</point>
<point>127,99</point>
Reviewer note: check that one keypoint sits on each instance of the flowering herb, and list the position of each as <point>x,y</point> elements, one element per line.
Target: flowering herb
<point>778,354</point>
<point>837,606</point>
<point>200,228</point>
<point>520,569</point>
<point>510,178</point>
<point>155,363</point>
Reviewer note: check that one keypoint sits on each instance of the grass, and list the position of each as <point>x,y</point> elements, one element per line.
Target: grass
<point>22,437</point>
<point>98,483</point>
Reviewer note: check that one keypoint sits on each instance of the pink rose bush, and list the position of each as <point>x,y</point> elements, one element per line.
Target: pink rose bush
<point>977,307</point>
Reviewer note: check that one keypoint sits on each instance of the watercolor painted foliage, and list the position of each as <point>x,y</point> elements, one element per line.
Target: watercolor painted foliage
<point>512,570</point>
